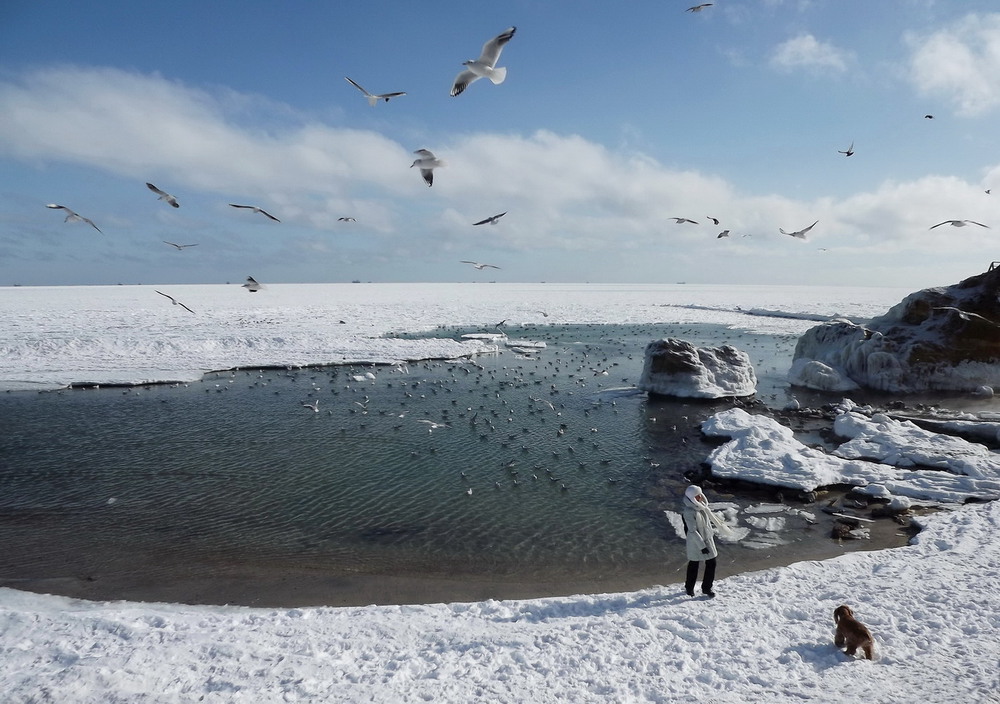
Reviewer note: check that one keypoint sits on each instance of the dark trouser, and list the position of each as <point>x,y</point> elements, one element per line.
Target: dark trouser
<point>707,580</point>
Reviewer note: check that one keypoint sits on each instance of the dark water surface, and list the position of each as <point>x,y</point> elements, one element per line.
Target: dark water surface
<point>439,481</point>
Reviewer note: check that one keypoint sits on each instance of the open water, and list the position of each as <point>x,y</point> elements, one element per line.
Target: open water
<point>538,465</point>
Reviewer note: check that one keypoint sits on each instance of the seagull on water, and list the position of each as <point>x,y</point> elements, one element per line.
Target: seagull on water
<point>314,405</point>
<point>252,285</point>
<point>163,195</point>
<point>434,426</point>
<point>73,217</point>
<point>479,266</point>
<point>179,247</point>
<point>175,301</point>
<point>492,220</point>
<point>485,65</point>
<point>255,209</point>
<point>373,99</point>
<point>699,8</point>
<point>849,152</point>
<point>427,163</point>
<point>681,221</point>
<point>958,223</point>
<point>801,234</point>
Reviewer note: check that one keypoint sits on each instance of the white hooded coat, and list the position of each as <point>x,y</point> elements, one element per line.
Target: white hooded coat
<point>699,527</point>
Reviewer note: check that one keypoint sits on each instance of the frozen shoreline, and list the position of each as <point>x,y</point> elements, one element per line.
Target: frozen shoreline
<point>932,605</point>
<point>52,337</point>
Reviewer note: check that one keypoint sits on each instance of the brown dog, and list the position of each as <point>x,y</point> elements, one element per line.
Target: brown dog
<point>852,633</point>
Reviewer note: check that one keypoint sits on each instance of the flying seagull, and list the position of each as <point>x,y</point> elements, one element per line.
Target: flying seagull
<point>163,195</point>
<point>801,234</point>
<point>252,285</point>
<point>485,64</point>
<point>928,117</point>
<point>427,163</point>
<point>849,152</point>
<point>724,233</point>
<point>175,301</point>
<point>179,247</point>
<point>681,221</point>
<point>74,217</point>
<point>958,223</point>
<point>256,210</point>
<point>347,219</point>
<point>479,266</point>
<point>964,314</point>
<point>699,8</point>
<point>373,99</point>
<point>314,406</point>
<point>492,220</point>
<point>715,221</point>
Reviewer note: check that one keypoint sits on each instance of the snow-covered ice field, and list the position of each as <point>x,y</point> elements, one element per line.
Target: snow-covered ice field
<point>934,605</point>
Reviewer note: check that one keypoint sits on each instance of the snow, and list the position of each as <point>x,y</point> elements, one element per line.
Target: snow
<point>933,606</point>
<point>59,335</point>
<point>763,450</point>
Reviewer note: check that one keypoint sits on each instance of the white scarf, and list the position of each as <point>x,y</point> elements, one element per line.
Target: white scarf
<point>720,525</point>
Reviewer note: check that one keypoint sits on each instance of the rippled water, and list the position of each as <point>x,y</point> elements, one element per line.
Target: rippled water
<point>158,481</point>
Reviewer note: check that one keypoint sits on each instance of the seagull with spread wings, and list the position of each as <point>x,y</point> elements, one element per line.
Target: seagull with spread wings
<point>255,209</point>
<point>849,152</point>
<point>73,217</point>
<point>479,266</point>
<point>699,8</point>
<point>958,223</point>
<point>374,98</point>
<point>179,247</point>
<point>175,301</point>
<point>492,220</point>
<point>427,163</point>
<point>163,195</point>
<point>485,65</point>
<point>681,221</point>
<point>252,285</point>
<point>801,234</point>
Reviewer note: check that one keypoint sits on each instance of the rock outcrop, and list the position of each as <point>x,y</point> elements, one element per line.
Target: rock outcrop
<point>676,367</point>
<point>938,339</point>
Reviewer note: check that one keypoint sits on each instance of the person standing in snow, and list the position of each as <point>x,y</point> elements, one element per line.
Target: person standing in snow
<point>700,526</point>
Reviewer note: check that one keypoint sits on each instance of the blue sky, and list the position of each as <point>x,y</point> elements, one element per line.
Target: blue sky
<point>614,118</point>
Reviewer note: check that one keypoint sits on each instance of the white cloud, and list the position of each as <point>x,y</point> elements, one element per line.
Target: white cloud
<point>568,197</point>
<point>960,63</point>
<point>807,52</point>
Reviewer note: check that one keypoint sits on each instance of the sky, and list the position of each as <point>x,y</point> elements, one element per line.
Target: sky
<point>613,120</point>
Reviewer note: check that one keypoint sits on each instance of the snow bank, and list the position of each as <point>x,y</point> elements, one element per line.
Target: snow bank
<point>936,339</point>
<point>764,451</point>
<point>55,336</point>
<point>768,636</point>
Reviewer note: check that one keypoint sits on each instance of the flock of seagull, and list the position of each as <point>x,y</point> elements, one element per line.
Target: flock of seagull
<point>426,162</point>
<point>251,284</point>
<point>483,67</point>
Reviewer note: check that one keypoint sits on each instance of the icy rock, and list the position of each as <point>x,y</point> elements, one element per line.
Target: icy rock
<point>938,339</point>
<point>675,367</point>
